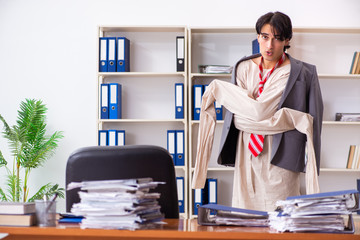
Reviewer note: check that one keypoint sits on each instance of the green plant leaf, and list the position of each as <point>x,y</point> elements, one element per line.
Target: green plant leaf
<point>48,190</point>
<point>3,162</point>
<point>3,196</point>
<point>11,134</point>
<point>37,154</point>
<point>13,187</point>
<point>30,147</point>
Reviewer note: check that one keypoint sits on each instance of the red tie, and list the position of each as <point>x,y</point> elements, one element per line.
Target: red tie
<point>257,141</point>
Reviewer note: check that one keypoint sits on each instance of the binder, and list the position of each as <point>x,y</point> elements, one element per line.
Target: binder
<point>198,199</point>
<point>103,138</point>
<point>112,138</point>
<point>180,54</point>
<point>352,193</point>
<point>358,188</point>
<point>103,54</point>
<point>219,111</point>
<point>259,217</point>
<point>179,100</point>
<point>198,91</point>
<point>179,151</point>
<point>180,191</point>
<point>115,101</point>
<point>211,190</point>
<point>255,46</point>
<point>171,143</point>
<point>123,54</point>
<point>120,137</point>
<point>111,66</point>
<point>218,107</point>
<point>104,101</point>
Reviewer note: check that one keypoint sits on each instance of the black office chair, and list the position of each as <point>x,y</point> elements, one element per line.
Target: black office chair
<point>123,162</point>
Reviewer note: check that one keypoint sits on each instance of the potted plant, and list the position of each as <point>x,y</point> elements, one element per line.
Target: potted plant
<point>30,147</point>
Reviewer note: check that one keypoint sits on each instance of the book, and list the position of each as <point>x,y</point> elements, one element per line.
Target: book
<point>356,162</point>
<point>17,207</point>
<point>19,220</point>
<point>353,161</point>
<point>350,157</point>
<point>355,65</point>
<point>352,63</point>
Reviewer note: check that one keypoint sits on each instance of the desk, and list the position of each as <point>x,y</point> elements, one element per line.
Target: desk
<point>175,229</point>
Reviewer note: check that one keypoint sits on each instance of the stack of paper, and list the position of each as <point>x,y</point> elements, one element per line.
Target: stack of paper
<point>215,69</point>
<point>215,214</point>
<point>323,212</point>
<point>118,204</point>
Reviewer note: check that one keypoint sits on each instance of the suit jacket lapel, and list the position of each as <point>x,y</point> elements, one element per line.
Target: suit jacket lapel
<point>294,73</point>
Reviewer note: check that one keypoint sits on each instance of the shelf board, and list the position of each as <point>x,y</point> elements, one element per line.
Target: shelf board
<point>218,169</point>
<point>324,122</point>
<point>325,30</point>
<point>345,170</point>
<point>141,74</point>
<point>252,30</point>
<point>342,76</point>
<point>139,120</point>
<point>340,123</point>
<point>225,169</point>
<point>142,28</point>
<point>198,122</point>
<point>325,76</point>
<point>220,75</point>
<point>222,30</point>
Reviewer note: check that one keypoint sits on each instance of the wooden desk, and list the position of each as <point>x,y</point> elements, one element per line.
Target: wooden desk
<point>175,229</point>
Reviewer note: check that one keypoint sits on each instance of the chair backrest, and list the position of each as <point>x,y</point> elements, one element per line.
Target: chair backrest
<point>123,162</point>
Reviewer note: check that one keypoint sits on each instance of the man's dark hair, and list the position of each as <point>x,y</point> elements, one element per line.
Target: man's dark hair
<point>280,23</point>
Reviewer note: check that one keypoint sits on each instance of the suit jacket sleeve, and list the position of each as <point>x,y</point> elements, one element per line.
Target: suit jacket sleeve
<point>316,109</point>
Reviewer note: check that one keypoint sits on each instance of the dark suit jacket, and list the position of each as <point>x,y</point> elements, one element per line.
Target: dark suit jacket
<point>302,93</point>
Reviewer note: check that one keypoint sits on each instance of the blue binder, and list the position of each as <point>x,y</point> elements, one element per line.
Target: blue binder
<point>112,138</point>
<point>120,137</point>
<point>211,190</point>
<point>352,193</point>
<point>358,188</point>
<point>179,100</point>
<point>180,191</point>
<point>123,54</point>
<point>103,54</point>
<point>204,217</point>
<point>115,101</point>
<point>104,101</point>
<point>198,199</point>
<point>326,194</point>
<point>179,151</point>
<point>103,138</point>
<point>218,107</point>
<point>219,111</point>
<point>197,93</point>
<point>171,143</point>
<point>255,46</point>
<point>111,54</point>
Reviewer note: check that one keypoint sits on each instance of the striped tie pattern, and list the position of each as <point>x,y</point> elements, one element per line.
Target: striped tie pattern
<point>256,142</point>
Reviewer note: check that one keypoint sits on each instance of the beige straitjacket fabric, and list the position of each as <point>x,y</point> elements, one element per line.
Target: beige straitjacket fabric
<point>258,184</point>
<point>251,116</point>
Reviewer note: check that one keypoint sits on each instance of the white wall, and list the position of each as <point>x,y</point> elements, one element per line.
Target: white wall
<point>48,51</point>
